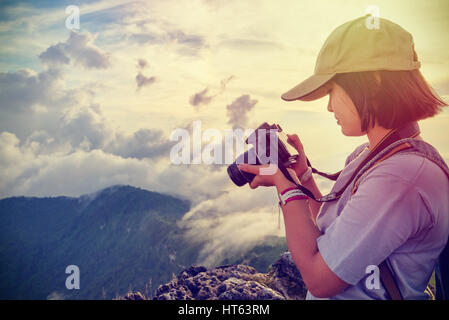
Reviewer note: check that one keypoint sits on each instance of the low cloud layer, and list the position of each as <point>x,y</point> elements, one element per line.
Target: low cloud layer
<point>228,227</point>
<point>26,170</point>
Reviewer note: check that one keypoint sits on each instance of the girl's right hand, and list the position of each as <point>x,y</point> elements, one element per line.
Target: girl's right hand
<point>301,162</point>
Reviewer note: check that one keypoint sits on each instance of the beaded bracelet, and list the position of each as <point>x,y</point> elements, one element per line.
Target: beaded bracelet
<point>291,194</point>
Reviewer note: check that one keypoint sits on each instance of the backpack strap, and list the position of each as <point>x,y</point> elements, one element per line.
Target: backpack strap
<point>386,276</point>
<point>442,274</point>
<point>387,279</point>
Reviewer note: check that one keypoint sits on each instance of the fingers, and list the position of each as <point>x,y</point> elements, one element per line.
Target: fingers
<point>293,175</point>
<point>293,139</point>
<point>251,168</point>
<point>254,169</point>
<point>260,178</point>
<point>255,183</point>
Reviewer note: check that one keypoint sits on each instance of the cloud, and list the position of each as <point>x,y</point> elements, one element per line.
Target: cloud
<point>71,148</point>
<point>232,223</point>
<point>202,97</point>
<point>224,82</point>
<point>143,81</point>
<point>55,54</point>
<point>84,127</point>
<point>80,48</point>
<point>189,44</point>
<point>158,33</point>
<point>45,116</point>
<point>142,64</point>
<point>144,143</point>
<point>31,101</point>
<point>238,110</point>
<point>21,90</point>
<point>168,35</point>
<point>26,171</point>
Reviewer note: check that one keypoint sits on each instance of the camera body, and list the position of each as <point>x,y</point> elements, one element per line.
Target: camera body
<point>269,146</point>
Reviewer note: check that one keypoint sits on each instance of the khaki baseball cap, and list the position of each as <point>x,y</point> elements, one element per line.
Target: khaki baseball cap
<point>357,46</point>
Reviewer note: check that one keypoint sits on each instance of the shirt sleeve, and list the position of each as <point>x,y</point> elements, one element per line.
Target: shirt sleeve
<point>381,215</point>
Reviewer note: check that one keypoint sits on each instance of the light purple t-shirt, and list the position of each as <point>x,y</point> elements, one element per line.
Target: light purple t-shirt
<point>400,211</point>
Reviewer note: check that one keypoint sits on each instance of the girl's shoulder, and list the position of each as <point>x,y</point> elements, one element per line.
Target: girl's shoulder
<point>413,167</point>
<point>406,165</point>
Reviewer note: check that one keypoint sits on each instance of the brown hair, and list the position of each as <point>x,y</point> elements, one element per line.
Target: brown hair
<point>390,98</point>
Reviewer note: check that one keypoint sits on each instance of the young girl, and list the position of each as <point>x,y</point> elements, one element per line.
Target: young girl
<point>398,211</point>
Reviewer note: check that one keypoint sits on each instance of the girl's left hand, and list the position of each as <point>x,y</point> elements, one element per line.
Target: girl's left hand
<point>266,175</point>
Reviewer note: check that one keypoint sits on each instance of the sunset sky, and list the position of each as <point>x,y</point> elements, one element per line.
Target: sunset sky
<point>82,110</point>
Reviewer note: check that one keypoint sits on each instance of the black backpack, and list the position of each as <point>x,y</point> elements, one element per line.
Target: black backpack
<point>442,275</point>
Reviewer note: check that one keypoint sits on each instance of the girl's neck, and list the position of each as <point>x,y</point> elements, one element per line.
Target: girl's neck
<point>376,134</point>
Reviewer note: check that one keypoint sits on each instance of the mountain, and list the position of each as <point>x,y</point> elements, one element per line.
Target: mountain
<point>121,238</point>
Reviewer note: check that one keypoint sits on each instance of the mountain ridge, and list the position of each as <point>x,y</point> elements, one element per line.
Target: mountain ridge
<point>120,237</point>
<point>117,228</point>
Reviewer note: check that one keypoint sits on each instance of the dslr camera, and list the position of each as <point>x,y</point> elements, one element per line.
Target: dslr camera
<point>269,146</point>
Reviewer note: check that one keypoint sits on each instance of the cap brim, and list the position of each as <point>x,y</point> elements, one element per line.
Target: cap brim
<point>310,89</point>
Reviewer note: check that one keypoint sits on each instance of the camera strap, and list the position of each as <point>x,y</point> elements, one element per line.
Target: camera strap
<point>382,149</point>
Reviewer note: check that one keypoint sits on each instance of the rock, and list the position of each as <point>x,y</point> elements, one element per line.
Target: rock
<point>238,289</point>
<point>192,271</point>
<point>236,282</point>
<point>134,296</point>
<point>286,278</point>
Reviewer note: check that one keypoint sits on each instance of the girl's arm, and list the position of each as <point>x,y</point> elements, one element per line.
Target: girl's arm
<point>300,167</point>
<point>302,233</point>
<point>314,206</point>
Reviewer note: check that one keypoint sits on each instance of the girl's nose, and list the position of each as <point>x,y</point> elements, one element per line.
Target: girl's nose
<point>329,107</point>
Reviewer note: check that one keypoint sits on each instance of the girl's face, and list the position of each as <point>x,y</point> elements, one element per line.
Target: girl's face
<point>344,111</point>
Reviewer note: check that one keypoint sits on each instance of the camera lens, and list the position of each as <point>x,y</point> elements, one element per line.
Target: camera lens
<point>239,177</point>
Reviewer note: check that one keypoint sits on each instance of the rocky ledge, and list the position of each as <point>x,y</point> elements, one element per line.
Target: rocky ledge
<point>233,282</point>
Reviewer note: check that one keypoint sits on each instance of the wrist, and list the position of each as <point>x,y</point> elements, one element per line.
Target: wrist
<point>283,183</point>
<point>291,194</point>
<point>301,170</point>
<point>305,176</point>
